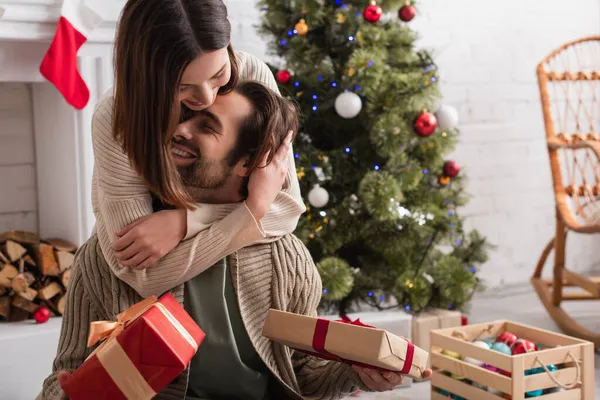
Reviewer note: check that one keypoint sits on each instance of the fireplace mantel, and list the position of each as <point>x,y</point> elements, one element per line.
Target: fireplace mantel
<point>35,20</point>
<point>64,157</point>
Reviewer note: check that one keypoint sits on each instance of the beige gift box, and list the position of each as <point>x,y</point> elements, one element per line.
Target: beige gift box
<point>346,342</point>
<point>425,322</point>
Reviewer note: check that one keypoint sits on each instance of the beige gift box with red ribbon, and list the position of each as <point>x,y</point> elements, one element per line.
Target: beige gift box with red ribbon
<point>348,342</point>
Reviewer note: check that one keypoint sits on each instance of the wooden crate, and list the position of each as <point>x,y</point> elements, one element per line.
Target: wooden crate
<point>564,351</point>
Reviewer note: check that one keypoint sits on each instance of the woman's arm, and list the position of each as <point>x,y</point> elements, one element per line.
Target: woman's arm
<point>121,198</point>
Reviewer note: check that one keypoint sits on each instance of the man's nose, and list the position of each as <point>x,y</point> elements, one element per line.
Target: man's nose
<point>184,130</point>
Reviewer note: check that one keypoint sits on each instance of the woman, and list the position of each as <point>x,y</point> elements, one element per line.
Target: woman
<point>168,53</point>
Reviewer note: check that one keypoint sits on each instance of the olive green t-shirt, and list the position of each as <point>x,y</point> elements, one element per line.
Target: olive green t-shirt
<point>226,365</point>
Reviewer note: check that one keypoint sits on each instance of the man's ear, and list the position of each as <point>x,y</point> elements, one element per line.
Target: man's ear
<point>241,168</point>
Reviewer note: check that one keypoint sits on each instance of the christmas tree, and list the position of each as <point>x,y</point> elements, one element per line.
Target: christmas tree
<point>382,221</point>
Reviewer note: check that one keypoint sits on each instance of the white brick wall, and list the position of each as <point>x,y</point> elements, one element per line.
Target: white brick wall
<point>487,56</point>
<point>18,202</point>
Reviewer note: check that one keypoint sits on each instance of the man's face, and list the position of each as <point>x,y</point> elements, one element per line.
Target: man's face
<point>202,146</point>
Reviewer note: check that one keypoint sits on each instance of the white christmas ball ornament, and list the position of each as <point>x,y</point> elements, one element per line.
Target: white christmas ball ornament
<point>447,117</point>
<point>318,197</point>
<point>483,345</point>
<point>348,105</point>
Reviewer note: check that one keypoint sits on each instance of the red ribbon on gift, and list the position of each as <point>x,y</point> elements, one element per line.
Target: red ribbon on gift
<point>320,336</point>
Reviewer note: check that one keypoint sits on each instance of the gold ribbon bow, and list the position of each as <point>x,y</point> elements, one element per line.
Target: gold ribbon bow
<point>105,330</point>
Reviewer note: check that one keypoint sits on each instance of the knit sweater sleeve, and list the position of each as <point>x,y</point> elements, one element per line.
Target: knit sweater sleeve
<point>121,197</point>
<point>72,345</point>
<point>317,378</point>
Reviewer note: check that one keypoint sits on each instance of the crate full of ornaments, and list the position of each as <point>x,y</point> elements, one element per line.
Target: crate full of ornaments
<point>507,360</point>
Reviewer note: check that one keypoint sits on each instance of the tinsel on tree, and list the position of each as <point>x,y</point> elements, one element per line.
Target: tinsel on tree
<point>382,221</point>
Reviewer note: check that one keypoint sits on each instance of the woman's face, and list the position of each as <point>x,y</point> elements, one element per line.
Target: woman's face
<point>202,79</point>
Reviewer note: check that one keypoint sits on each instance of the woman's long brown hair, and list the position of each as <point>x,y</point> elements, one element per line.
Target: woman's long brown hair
<point>156,40</point>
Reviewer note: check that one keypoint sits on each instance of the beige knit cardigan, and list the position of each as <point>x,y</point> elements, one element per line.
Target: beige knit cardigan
<point>279,275</point>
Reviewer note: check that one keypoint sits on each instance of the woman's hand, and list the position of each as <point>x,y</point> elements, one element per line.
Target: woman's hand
<point>145,241</point>
<point>382,381</point>
<point>266,182</point>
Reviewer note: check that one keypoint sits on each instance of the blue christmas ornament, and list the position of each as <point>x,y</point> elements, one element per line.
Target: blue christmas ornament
<point>501,348</point>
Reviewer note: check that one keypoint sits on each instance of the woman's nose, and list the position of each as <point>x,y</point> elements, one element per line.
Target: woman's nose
<point>204,95</point>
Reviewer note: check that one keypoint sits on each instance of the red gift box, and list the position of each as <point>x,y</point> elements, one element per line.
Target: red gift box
<point>146,349</point>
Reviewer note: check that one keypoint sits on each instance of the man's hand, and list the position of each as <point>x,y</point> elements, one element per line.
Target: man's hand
<point>62,377</point>
<point>382,381</point>
<point>142,243</point>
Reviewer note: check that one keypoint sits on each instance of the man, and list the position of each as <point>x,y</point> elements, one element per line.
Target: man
<point>215,151</point>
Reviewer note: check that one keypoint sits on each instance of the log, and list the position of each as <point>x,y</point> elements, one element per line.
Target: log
<point>66,276</point>
<point>29,294</point>
<point>3,258</point>
<point>29,260</point>
<point>24,304</point>
<point>18,314</point>
<point>21,282</point>
<point>5,306</point>
<point>14,250</point>
<point>61,305</point>
<point>7,273</point>
<point>49,291</point>
<point>62,245</point>
<point>20,237</point>
<point>46,260</point>
<point>65,259</point>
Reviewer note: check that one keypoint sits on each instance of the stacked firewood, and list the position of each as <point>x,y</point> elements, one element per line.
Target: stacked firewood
<point>33,273</point>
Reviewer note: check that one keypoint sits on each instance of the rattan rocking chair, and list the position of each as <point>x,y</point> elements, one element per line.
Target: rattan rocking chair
<point>569,82</point>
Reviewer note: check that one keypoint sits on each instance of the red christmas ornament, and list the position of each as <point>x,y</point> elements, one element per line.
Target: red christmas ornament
<point>41,315</point>
<point>425,124</point>
<point>372,12</point>
<point>283,76</point>
<point>522,346</point>
<point>407,13</point>
<point>451,169</point>
<point>507,338</point>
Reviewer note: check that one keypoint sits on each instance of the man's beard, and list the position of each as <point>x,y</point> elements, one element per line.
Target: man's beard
<point>203,174</point>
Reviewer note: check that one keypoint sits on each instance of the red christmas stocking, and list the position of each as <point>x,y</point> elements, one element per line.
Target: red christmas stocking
<point>59,65</point>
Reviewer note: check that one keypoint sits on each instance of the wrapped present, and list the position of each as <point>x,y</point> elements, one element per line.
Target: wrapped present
<point>393,321</point>
<point>150,345</point>
<point>349,342</point>
<point>427,321</point>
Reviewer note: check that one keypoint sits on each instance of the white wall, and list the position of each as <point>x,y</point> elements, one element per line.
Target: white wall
<point>487,53</point>
<point>18,200</point>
